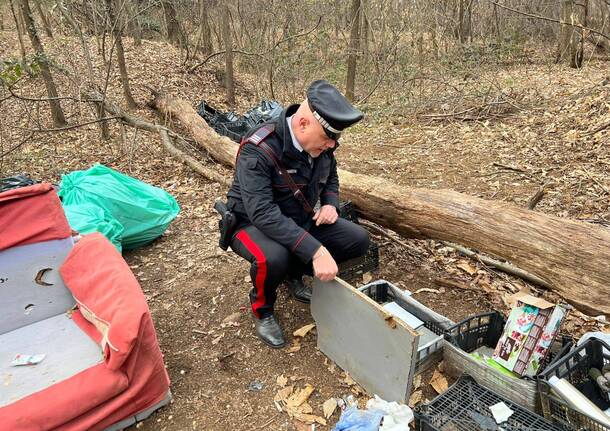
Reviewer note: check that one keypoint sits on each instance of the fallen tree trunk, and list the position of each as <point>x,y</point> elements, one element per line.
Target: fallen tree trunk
<point>573,258</point>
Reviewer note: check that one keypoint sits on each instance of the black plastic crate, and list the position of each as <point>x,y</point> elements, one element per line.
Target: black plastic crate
<point>347,210</point>
<point>353,268</point>
<point>379,291</point>
<point>486,329</point>
<point>210,114</point>
<point>481,330</point>
<point>235,126</point>
<point>574,367</point>
<point>465,407</point>
<point>265,111</point>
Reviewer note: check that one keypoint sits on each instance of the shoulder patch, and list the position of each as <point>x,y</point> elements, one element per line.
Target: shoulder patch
<point>261,134</point>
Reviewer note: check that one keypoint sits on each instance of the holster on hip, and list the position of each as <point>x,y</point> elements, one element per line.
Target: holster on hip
<point>226,225</point>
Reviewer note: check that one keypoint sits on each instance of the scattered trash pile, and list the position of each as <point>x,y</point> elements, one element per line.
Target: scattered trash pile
<point>509,374</point>
<point>235,126</point>
<point>575,388</point>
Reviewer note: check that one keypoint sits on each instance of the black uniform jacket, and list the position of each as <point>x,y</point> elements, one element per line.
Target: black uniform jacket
<point>260,196</point>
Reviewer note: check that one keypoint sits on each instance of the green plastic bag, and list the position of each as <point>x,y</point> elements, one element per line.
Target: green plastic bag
<point>143,210</point>
<point>88,218</point>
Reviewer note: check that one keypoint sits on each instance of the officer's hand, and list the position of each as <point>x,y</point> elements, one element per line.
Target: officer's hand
<point>327,214</point>
<point>324,266</point>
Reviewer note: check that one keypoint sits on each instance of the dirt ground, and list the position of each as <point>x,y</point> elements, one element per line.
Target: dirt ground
<point>223,377</point>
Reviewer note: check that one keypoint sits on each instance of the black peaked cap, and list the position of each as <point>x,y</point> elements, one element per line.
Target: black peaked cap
<point>331,105</point>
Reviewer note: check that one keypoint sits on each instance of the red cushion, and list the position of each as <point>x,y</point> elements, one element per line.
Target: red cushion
<point>31,214</point>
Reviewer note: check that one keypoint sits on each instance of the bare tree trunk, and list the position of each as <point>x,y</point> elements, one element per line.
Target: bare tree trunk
<point>120,53</point>
<point>228,42</point>
<point>20,31</point>
<point>205,33</point>
<point>433,31</point>
<point>365,31</point>
<point>469,27</point>
<point>174,33</point>
<point>570,39</point>
<point>497,24</point>
<point>116,25</point>
<point>135,28</point>
<point>460,30</point>
<point>585,23</point>
<point>43,17</point>
<point>571,257</point>
<point>352,55</point>
<point>59,120</point>
<point>599,18</point>
<point>98,107</point>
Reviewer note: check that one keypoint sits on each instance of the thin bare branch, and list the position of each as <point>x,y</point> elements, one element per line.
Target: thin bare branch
<point>546,18</point>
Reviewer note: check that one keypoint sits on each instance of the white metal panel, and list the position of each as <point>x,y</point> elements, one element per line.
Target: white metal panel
<point>378,350</point>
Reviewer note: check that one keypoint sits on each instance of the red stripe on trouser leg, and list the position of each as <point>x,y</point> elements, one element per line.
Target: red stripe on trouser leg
<point>261,273</point>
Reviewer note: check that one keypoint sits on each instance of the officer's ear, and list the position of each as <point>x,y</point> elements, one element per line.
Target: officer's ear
<point>303,123</point>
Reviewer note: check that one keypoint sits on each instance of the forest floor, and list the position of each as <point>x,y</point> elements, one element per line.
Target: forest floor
<point>537,135</point>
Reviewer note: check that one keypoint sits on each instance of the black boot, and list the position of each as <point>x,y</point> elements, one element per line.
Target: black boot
<point>298,290</point>
<point>269,330</point>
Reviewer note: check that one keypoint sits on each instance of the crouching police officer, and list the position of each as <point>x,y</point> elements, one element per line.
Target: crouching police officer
<point>282,169</point>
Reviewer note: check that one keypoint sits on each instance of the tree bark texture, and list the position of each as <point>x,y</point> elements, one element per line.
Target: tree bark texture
<point>20,32</point>
<point>570,48</point>
<point>174,34</point>
<point>59,120</point>
<point>228,42</point>
<point>116,25</point>
<point>205,33</point>
<point>45,22</point>
<point>571,257</point>
<point>352,55</point>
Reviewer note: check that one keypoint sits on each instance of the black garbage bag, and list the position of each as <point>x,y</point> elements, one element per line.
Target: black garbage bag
<point>235,126</point>
<point>15,182</point>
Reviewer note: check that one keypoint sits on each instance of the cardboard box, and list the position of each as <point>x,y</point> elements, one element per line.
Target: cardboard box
<point>530,329</point>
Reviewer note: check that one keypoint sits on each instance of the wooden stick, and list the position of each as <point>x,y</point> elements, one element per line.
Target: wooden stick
<point>385,233</point>
<point>503,266</point>
<point>531,204</point>
<point>191,162</point>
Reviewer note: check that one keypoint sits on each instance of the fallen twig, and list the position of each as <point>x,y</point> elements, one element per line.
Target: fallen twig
<point>503,266</point>
<point>533,201</point>
<point>191,162</point>
<point>510,168</point>
<point>598,129</point>
<point>266,424</point>
<point>388,235</point>
<point>451,284</point>
<point>604,188</point>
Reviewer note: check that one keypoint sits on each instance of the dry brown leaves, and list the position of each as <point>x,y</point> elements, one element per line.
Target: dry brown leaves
<point>293,401</point>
